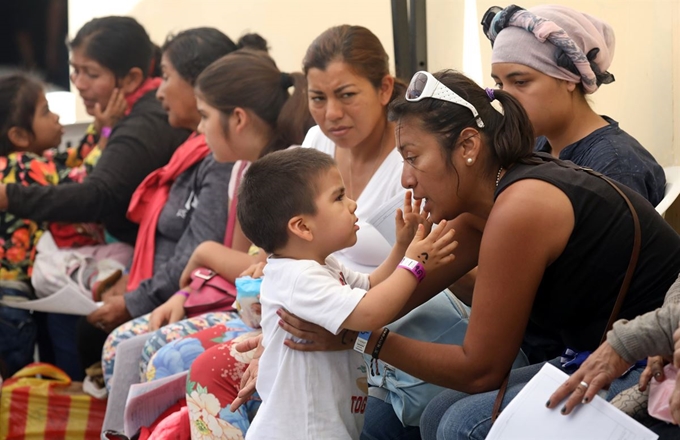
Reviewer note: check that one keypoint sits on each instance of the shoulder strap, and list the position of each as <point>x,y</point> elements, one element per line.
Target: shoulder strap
<point>635,252</point>
<point>231,220</point>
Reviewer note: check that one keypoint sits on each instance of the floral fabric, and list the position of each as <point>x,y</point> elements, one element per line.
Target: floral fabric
<point>156,340</point>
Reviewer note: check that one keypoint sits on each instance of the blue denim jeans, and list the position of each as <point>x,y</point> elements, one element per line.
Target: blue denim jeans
<point>456,415</point>
<point>18,331</point>
<point>382,423</point>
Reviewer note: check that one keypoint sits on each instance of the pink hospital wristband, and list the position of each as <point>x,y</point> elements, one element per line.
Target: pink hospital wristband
<point>414,267</point>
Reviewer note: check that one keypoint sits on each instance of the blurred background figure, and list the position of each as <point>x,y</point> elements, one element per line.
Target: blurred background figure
<point>36,33</point>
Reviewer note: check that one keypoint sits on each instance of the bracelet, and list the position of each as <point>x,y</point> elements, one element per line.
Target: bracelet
<point>106,132</point>
<point>184,293</point>
<point>379,344</point>
<point>413,266</point>
<point>361,342</point>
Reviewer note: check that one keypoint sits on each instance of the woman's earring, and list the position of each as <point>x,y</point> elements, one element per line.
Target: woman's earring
<point>470,161</point>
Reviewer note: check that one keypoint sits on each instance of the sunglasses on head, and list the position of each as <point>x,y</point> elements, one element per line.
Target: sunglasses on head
<point>425,85</point>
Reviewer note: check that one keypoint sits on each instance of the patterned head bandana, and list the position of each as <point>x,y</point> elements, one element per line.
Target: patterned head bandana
<point>555,40</point>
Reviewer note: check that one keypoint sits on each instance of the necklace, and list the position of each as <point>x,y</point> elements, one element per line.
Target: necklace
<point>498,176</point>
<point>375,165</point>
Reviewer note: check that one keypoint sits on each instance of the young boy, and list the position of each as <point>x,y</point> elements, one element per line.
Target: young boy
<point>292,204</point>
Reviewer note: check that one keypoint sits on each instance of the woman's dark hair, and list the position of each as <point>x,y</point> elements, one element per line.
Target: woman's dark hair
<point>357,47</point>
<point>19,96</point>
<point>119,44</point>
<point>250,79</point>
<point>508,135</point>
<point>191,51</point>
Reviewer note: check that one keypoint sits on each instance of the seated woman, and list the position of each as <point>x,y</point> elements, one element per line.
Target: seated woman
<point>264,117</point>
<point>109,55</point>
<point>551,242</point>
<point>180,223</point>
<point>542,76</point>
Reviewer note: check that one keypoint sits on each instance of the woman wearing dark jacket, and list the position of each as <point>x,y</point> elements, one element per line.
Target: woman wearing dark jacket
<point>108,55</point>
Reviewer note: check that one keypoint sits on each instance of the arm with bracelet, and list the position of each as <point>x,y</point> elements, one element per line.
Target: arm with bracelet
<point>386,297</point>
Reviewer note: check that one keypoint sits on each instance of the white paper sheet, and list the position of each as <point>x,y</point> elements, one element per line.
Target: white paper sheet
<point>382,218</point>
<point>66,300</point>
<point>527,418</point>
<point>146,401</point>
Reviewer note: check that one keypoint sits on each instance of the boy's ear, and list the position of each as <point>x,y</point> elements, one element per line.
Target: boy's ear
<point>19,137</point>
<point>298,226</point>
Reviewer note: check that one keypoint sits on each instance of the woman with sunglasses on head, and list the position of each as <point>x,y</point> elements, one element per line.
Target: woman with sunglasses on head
<point>550,58</point>
<point>551,241</point>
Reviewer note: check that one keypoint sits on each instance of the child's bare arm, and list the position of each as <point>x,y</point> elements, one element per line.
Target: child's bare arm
<point>407,221</point>
<point>381,303</point>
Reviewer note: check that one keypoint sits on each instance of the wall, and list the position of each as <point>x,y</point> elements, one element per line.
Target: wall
<point>644,98</point>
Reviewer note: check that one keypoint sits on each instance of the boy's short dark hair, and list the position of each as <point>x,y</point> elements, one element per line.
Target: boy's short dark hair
<point>275,189</point>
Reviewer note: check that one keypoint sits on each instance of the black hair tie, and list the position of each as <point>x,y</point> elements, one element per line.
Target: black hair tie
<point>286,80</point>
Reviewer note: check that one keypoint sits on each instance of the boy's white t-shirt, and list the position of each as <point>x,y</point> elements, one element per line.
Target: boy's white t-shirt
<point>371,248</point>
<point>309,395</point>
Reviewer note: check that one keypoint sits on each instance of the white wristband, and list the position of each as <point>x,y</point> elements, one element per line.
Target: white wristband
<point>361,342</point>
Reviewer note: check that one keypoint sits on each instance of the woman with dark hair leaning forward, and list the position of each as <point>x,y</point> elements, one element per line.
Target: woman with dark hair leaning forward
<point>552,244</point>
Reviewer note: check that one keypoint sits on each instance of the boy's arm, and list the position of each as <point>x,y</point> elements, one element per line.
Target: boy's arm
<point>382,272</point>
<point>381,303</point>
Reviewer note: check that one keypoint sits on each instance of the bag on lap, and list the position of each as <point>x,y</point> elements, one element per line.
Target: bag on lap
<point>443,319</point>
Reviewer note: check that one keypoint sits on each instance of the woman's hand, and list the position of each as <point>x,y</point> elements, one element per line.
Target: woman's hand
<point>119,288</point>
<point>598,371</point>
<point>249,379</point>
<point>318,338</point>
<point>114,111</point>
<point>111,314</point>
<point>674,401</point>
<point>167,313</point>
<point>434,249</point>
<point>255,270</point>
<point>408,219</point>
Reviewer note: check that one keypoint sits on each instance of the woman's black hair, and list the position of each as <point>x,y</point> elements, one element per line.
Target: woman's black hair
<point>192,50</point>
<point>19,94</point>
<point>119,44</point>
<point>250,79</point>
<point>508,136</point>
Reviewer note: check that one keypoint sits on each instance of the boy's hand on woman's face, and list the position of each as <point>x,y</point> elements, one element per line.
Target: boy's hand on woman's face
<point>408,219</point>
<point>434,249</point>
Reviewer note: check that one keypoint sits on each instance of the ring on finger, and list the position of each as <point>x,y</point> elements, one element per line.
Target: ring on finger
<point>584,384</point>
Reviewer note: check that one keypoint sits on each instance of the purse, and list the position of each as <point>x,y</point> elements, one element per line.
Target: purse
<point>209,291</point>
<point>635,253</point>
<point>41,402</point>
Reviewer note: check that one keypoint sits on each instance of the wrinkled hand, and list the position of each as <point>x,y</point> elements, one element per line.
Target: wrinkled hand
<point>317,338</point>
<point>170,311</point>
<point>676,355</point>
<point>435,249</point>
<point>114,111</point>
<point>598,371</point>
<point>653,369</point>
<point>254,270</point>
<point>249,379</point>
<point>408,219</point>
<point>110,315</point>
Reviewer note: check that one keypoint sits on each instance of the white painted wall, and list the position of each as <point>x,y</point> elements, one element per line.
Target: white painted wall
<point>645,98</point>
